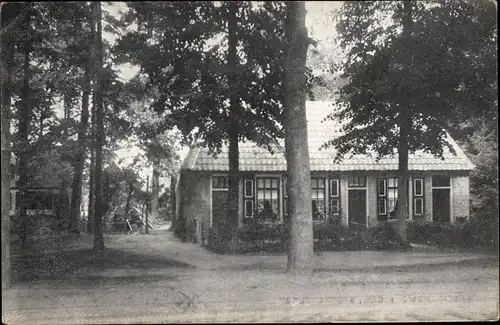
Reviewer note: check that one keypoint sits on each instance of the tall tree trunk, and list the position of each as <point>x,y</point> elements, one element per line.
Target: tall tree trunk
<point>300,250</point>
<point>91,203</point>
<point>67,109</point>
<point>229,234</point>
<point>173,201</point>
<point>79,162</point>
<point>155,190</point>
<point>8,13</point>
<point>24,121</point>
<point>404,129</point>
<point>99,206</point>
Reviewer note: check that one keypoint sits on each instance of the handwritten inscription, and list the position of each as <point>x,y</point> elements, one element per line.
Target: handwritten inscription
<point>376,299</point>
<point>10,319</point>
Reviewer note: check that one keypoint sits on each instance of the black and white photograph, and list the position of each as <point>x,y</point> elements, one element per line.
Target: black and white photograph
<point>249,162</point>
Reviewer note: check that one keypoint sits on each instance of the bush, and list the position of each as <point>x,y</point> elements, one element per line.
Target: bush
<point>477,231</point>
<point>480,231</point>
<point>181,229</point>
<point>214,241</point>
<point>424,232</point>
<point>382,237</point>
<point>327,236</point>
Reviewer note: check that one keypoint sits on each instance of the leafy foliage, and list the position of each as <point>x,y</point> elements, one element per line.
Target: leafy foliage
<point>185,65</point>
<point>426,77</point>
<point>483,149</point>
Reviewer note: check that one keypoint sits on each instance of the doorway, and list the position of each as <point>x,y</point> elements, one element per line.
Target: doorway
<point>441,205</point>
<point>357,207</point>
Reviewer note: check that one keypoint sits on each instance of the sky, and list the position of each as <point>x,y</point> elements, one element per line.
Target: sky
<point>318,22</point>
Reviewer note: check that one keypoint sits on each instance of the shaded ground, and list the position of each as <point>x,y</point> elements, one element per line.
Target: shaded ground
<point>156,279</point>
<point>72,263</point>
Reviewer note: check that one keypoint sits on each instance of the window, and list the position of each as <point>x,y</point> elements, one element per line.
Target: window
<point>220,182</point>
<point>392,196</point>
<point>268,207</point>
<point>248,208</point>
<point>334,188</point>
<point>249,188</point>
<point>318,198</point>
<point>356,181</point>
<point>440,181</point>
<point>387,193</point>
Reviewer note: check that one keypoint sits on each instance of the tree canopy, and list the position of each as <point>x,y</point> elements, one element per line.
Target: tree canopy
<point>433,77</point>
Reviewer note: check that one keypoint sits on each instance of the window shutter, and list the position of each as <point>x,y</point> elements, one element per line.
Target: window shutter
<point>249,188</point>
<point>334,188</point>
<point>248,208</point>
<point>381,199</point>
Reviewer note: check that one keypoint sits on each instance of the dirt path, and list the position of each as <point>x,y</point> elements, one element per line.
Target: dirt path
<point>155,279</point>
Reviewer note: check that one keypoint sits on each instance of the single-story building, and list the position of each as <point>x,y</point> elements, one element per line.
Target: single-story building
<point>359,190</point>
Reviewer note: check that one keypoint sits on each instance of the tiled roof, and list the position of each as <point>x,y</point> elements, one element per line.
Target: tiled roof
<point>254,158</point>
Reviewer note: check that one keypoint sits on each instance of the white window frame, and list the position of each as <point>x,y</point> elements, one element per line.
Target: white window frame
<point>280,191</point>
<point>421,181</point>
<point>396,180</point>
<point>218,189</point>
<point>337,187</point>
<point>421,204</point>
<point>317,188</point>
<point>356,188</point>
<point>245,188</point>
<point>449,187</point>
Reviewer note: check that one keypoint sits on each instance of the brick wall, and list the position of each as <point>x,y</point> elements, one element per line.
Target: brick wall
<point>343,199</point>
<point>460,197</point>
<point>428,197</point>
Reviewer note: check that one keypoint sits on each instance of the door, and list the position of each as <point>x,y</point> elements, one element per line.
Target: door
<point>441,205</point>
<point>219,208</point>
<point>357,207</point>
